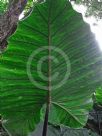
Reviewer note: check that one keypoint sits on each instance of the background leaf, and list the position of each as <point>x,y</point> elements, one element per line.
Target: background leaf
<point>99,95</point>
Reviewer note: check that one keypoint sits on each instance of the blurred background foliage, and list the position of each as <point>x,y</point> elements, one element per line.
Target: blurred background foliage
<point>3,6</point>
<point>94,7</point>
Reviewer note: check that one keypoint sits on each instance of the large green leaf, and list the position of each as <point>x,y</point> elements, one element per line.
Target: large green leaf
<point>53,29</point>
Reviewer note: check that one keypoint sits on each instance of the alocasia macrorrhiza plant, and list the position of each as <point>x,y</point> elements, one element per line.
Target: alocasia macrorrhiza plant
<point>51,68</point>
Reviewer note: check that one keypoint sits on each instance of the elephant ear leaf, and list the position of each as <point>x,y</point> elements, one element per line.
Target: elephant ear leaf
<point>52,58</point>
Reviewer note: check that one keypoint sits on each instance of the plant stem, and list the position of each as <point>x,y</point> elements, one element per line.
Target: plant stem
<point>46,121</point>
